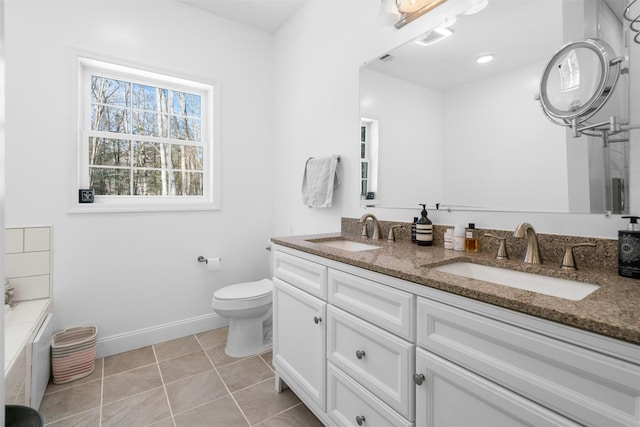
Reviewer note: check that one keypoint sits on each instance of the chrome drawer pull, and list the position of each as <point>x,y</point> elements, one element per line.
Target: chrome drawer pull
<point>360,420</point>
<point>360,354</point>
<point>317,319</point>
<point>418,378</point>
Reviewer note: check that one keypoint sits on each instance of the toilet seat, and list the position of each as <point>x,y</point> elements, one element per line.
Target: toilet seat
<point>245,290</point>
<point>242,296</point>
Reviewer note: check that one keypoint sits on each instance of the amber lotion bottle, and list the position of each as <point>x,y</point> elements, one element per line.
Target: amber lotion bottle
<point>471,238</point>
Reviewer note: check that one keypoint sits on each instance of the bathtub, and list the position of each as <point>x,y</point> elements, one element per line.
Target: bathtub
<point>21,325</point>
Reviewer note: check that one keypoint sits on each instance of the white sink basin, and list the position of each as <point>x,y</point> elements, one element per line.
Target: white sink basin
<point>561,288</point>
<point>348,245</point>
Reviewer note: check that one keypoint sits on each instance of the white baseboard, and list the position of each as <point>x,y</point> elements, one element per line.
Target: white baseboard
<point>156,334</point>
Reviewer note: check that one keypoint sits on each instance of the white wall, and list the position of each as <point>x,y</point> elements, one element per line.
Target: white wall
<point>318,55</point>
<point>131,274</point>
<point>521,157</point>
<point>410,121</point>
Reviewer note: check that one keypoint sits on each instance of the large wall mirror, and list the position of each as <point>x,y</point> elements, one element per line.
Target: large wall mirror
<point>440,128</point>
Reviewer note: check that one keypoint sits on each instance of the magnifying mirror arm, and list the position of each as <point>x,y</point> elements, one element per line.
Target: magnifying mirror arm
<point>613,126</point>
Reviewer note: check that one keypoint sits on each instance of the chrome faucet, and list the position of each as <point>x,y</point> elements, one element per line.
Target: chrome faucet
<point>9,295</point>
<point>533,251</point>
<point>377,231</point>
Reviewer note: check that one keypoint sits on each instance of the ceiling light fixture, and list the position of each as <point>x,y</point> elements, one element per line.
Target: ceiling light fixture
<point>389,13</point>
<point>401,12</point>
<point>485,57</point>
<point>410,6</point>
<point>479,6</point>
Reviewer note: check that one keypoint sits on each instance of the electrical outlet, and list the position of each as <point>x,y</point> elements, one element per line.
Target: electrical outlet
<point>86,195</point>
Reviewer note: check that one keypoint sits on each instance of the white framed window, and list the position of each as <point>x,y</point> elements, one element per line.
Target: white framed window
<point>368,159</point>
<point>146,141</point>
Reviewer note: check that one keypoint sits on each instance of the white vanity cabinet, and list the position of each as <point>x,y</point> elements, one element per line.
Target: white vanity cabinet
<point>299,338</point>
<point>388,352</point>
<point>517,370</point>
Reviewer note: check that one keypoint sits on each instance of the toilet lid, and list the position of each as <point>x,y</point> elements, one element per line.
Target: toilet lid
<point>245,290</point>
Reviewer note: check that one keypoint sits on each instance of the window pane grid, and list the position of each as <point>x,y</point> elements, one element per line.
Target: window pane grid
<point>144,109</point>
<point>145,135</point>
<point>142,138</point>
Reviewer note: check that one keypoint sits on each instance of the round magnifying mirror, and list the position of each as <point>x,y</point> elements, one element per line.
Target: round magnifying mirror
<point>578,81</point>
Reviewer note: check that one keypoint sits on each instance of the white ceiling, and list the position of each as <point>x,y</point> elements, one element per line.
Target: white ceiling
<point>265,15</point>
<point>518,32</point>
<point>515,42</point>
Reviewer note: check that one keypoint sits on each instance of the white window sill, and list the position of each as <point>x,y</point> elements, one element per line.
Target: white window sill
<point>88,208</point>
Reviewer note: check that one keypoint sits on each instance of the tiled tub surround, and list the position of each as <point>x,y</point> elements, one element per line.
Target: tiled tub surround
<point>28,261</point>
<point>612,310</point>
<point>185,382</point>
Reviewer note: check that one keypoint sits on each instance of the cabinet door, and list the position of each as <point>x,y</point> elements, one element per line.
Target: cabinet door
<point>299,341</point>
<point>452,396</point>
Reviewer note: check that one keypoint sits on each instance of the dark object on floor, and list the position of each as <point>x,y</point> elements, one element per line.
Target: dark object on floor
<point>21,416</point>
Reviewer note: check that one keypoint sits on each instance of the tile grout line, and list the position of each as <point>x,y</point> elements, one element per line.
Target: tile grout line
<point>101,394</point>
<point>223,382</point>
<point>99,407</point>
<point>164,387</point>
<point>283,411</point>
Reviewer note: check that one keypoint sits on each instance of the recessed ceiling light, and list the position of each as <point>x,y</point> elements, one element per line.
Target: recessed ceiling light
<point>485,57</point>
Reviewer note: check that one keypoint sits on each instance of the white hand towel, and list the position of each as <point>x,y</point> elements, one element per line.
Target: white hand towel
<point>320,179</point>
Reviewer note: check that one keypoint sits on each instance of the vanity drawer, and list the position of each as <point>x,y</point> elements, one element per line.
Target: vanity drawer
<point>377,359</point>
<point>584,385</point>
<point>306,275</point>
<point>348,402</point>
<point>389,308</point>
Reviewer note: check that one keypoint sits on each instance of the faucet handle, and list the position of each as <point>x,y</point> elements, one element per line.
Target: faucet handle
<point>502,249</point>
<point>364,233</point>
<point>392,236</point>
<point>568,260</point>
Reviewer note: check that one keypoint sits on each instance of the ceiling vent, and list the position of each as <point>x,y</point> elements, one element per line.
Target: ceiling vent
<point>435,36</point>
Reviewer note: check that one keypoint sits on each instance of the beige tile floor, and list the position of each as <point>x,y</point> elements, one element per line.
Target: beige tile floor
<point>186,382</point>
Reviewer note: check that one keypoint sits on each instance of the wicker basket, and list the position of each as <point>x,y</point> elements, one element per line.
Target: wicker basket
<point>73,353</point>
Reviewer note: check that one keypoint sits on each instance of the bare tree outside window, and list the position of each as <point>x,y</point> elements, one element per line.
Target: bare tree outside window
<point>150,140</point>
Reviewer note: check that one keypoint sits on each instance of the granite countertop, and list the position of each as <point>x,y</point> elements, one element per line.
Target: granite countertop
<point>612,310</point>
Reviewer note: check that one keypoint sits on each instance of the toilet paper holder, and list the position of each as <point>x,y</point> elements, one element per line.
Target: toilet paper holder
<point>203,259</point>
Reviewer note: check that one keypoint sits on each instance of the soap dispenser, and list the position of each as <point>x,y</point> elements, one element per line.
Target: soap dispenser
<point>629,249</point>
<point>413,229</point>
<point>424,228</point>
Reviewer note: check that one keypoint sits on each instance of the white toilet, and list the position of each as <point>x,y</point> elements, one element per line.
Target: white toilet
<point>248,306</point>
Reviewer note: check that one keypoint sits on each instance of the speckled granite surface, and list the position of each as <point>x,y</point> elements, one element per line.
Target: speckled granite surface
<point>612,310</point>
